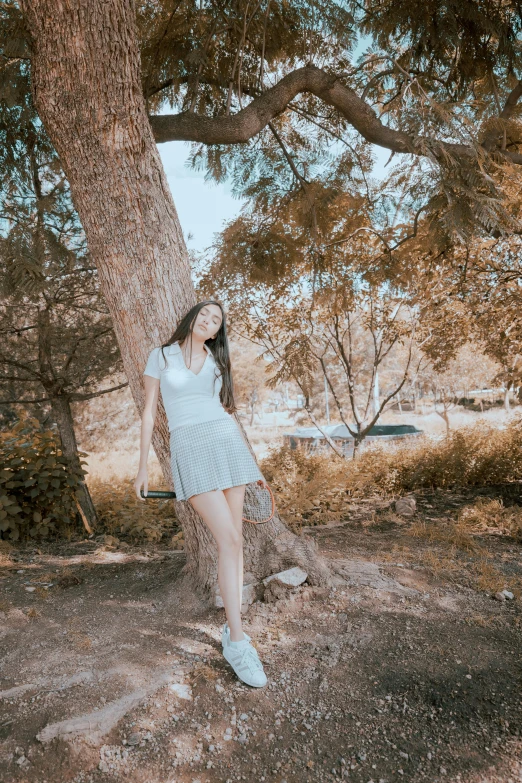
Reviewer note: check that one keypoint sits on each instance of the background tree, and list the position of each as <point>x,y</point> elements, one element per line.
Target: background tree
<point>344,323</point>
<point>249,376</point>
<point>57,343</point>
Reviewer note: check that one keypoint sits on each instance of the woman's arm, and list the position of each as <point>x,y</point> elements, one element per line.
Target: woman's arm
<point>152,386</point>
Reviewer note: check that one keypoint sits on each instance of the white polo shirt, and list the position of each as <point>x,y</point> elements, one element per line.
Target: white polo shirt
<point>187,398</point>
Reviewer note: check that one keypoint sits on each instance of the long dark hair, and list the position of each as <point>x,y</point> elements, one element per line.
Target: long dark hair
<point>218,345</point>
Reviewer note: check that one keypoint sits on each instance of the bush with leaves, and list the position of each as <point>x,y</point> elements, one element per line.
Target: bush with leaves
<point>37,486</point>
<point>314,488</point>
<point>479,455</point>
<point>121,513</point>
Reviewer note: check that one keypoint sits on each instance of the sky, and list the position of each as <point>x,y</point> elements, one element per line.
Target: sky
<point>204,207</point>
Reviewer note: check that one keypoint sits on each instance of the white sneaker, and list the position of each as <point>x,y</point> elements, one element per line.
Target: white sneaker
<point>225,635</point>
<point>246,664</point>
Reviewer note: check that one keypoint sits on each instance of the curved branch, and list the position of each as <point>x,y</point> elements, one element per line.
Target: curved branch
<point>247,123</point>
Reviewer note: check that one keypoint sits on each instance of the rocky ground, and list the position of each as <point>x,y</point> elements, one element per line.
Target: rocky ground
<point>406,669</point>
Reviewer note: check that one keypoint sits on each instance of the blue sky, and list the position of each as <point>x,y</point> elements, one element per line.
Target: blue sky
<point>204,207</point>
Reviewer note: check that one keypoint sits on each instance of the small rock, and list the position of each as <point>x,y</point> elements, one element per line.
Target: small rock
<point>243,716</point>
<point>278,585</point>
<point>507,594</point>
<point>30,589</point>
<point>499,597</point>
<point>405,507</point>
<point>442,770</point>
<point>134,739</point>
<point>110,540</point>
<point>181,690</point>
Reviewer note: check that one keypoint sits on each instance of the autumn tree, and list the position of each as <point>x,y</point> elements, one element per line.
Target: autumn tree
<point>438,87</point>
<point>344,323</point>
<point>250,376</point>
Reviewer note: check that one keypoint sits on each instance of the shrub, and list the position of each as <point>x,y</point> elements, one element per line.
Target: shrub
<point>121,512</point>
<point>313,488</point>
<point>472,456</point>
<point>37,487</point>
<point>310,488</point>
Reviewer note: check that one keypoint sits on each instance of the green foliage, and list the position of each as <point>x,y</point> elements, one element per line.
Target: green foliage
<point>37,487</point>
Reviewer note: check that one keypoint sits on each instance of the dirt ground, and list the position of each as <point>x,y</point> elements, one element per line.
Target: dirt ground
<point>405,670</point>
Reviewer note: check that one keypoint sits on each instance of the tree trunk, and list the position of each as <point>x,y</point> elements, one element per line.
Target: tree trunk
<point>445,418</point>
<point>63,417</point>
<point>61,410</point>
<point>507,405</point>
<point>86,86</point>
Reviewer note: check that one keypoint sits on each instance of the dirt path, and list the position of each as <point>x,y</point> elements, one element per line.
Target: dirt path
<point>404,671</point>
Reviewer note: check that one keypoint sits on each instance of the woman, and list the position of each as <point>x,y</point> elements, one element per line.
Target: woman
<point>211,463</point>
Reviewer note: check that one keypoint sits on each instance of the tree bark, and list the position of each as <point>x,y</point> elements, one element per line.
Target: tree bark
<point>63,417</point>
<point>87,90</point>
<point>61,409</point>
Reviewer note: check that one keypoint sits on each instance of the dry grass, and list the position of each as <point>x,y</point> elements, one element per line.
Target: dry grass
<point>121,513</point>
<point>489,516</point>
<point>487,577</point>
<point>314,489</point>
<point>449,532</point>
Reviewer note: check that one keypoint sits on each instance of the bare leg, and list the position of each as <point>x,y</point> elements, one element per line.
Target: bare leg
<point>235,497</point>
<point>214,510</point>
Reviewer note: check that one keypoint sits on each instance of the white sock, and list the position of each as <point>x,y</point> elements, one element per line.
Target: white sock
<point>238,643</point>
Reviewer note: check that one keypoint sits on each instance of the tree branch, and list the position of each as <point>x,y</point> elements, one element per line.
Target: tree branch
<point>247,123</point>
<point>76,397</point>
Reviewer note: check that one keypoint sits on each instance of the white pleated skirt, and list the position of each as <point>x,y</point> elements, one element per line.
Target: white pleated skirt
<point>210,455</point>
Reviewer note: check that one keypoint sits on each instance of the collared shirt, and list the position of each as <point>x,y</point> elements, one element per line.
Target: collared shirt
<point>187,398</point>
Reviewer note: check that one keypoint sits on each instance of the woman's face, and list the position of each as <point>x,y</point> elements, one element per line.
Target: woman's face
<point>208,321</point>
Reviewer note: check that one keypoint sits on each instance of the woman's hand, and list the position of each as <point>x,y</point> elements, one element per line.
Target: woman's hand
<point>141,480</point>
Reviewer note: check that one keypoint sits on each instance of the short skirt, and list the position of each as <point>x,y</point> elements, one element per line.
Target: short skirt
<point>210,455</point>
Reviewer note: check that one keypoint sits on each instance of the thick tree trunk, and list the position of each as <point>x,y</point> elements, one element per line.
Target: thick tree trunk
<point>87,90</point>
